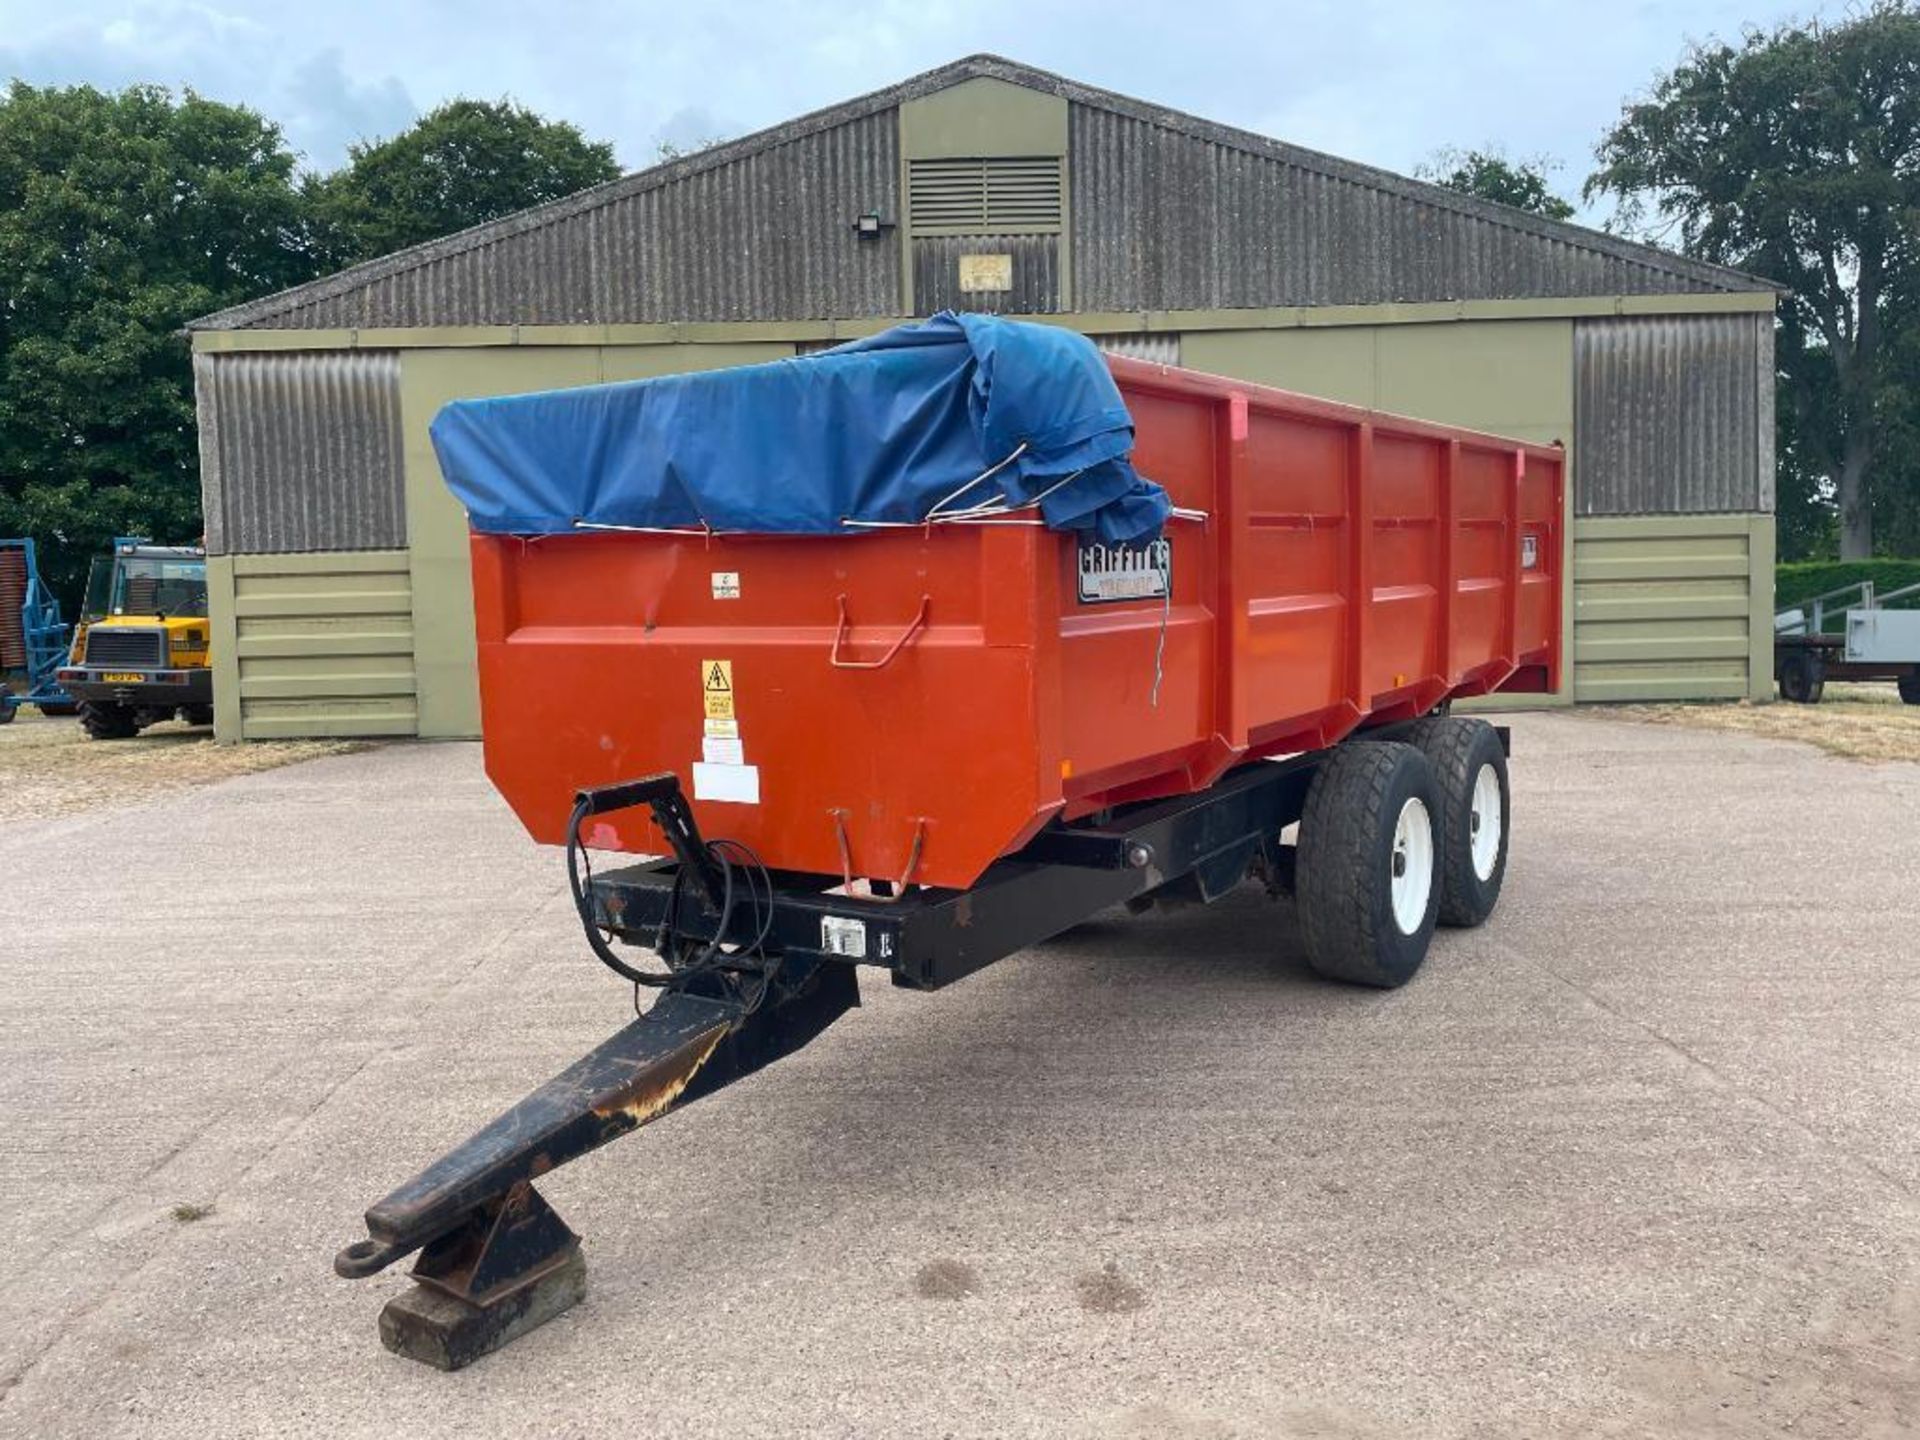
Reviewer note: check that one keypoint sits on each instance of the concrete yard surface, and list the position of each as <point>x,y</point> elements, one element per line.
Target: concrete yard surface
<point>1639,1158</point>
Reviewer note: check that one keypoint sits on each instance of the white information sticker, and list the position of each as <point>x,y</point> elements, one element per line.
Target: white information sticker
<point>841,936</point>
<point>726,584</point>
<point>723,727</point>
<point>733,784</point>
<point>723,750</point>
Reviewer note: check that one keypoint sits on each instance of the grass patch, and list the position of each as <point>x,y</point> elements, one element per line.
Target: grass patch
<point>49,767</point>
<point>1859,722</point>
<point>186,1212</point>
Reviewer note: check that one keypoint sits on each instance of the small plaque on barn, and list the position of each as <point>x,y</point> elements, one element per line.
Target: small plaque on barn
<point>1124,572</point>
<point>985,274</point>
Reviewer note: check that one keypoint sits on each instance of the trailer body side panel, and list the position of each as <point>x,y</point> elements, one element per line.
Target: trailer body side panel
<point>911,704</point>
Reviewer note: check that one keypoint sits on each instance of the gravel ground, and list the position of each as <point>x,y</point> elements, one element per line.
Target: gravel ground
<point>1640,1158</point>
<point>49,767</point>
<point>1861,722</point>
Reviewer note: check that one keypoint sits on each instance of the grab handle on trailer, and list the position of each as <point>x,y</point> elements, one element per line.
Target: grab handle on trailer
<point>840,636</point>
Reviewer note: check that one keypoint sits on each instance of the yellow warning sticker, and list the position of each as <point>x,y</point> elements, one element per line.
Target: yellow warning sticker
<point>716,683</point>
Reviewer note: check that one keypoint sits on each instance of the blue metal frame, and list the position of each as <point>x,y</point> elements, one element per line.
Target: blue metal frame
<point>48,638</point>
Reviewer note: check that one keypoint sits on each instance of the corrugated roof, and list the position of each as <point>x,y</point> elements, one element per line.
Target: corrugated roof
<point>600,257</point>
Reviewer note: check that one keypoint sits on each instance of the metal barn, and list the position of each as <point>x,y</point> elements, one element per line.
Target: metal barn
<point>341,598</point>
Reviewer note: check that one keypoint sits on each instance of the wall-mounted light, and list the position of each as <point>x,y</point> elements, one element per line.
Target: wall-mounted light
<point>871,226</point>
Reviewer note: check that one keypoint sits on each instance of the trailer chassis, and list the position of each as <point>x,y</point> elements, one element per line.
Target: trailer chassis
<point>496,1260</point>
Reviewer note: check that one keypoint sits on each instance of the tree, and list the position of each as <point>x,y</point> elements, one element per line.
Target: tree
<point>122,216</point>
<point>1796,155</point>
<point>1490,175</point>
<point>1804,511</point>
<point>467,162</point>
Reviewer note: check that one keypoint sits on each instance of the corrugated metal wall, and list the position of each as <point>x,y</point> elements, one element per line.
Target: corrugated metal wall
<point>768,234</point>
<point>300,451</point>
<point>1166,220</point>
<point>1036,274</point>
<point>1162,347</point>
<point>1673,414</point>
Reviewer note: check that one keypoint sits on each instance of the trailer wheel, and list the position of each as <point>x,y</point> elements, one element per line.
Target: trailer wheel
<point>1802,677</point>
<point>1909,686</point>
<point>6,713</point>
<point>1366,864</point>
<point>1470,783</point>
<point>103,720</point>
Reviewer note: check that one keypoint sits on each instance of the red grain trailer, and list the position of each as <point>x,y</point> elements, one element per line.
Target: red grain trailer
<point>875,718</point>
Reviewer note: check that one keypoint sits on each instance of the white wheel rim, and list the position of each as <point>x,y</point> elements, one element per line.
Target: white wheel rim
<point>1412,862</point>
<point>1488,820</point>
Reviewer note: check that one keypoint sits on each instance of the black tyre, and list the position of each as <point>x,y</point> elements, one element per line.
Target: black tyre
<point>1802,677</point>
<point>197,714</point>
<point>59,709</point>
<point>6,714</point>
<point>1366,873</point>
<point>1473,803</point>
<point>1909,686</point>
<point>104,720</point>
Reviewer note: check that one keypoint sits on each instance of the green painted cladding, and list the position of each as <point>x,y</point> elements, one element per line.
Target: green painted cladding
<point>310,645</point>
<point>982,117</point>
<point>1511,377</point>
<point>1673,607</point>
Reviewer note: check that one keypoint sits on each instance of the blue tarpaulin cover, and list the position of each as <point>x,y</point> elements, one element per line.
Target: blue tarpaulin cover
<point>880,430</point>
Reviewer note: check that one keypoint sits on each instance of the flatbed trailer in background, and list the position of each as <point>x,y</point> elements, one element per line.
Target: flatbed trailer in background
<point>943,742</point>
<point>1879,639</point>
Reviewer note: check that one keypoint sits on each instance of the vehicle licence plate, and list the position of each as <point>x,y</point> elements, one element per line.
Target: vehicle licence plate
<point>122,678</point>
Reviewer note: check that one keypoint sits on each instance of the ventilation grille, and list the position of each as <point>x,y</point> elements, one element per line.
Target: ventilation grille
<point>115,645</point>
<point>984,197</point>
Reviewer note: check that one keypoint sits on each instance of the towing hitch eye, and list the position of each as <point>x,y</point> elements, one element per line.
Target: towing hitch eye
<point>495,1259</point>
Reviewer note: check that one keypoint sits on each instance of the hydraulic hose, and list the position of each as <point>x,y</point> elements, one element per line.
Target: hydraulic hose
<point>583,902</point>
<point>580,880</point>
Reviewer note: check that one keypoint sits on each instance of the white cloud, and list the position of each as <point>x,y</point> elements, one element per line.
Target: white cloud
<point>329,110</point>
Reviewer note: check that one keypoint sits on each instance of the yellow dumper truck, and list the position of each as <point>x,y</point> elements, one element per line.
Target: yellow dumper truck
<point>141,651</point>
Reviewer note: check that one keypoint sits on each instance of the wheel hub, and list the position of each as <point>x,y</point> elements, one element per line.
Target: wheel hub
<point>1412,865</point>
<point>1488,822</point>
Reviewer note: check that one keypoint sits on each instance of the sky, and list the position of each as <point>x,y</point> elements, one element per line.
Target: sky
<point>1384,83</point>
